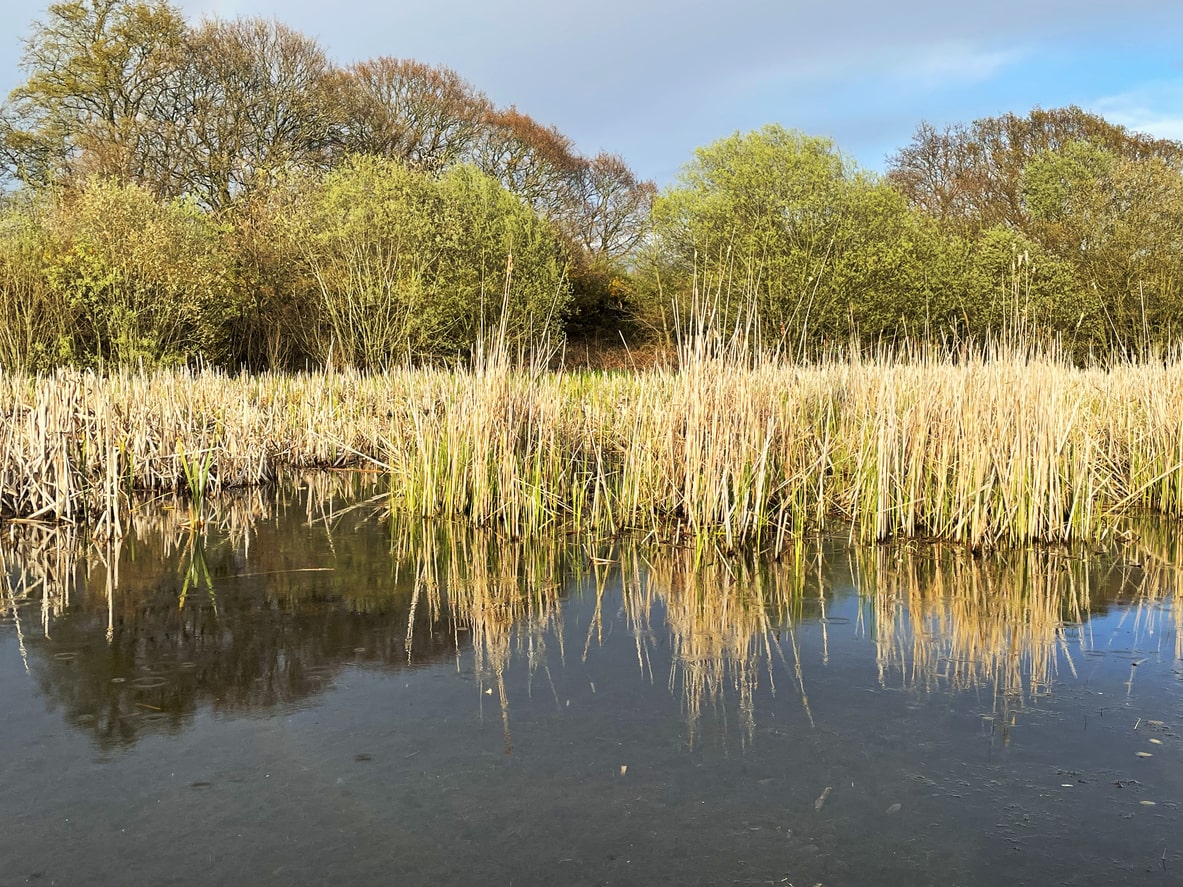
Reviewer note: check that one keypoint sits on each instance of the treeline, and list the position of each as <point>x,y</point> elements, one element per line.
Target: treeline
<point>223,192</point>
<point>1057,224</point>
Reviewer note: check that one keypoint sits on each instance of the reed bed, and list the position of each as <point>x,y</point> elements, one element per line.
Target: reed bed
<point>723,448</point>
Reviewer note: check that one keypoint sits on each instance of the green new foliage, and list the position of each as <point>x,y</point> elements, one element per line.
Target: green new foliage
<point>141,280</point>
<point>1118,223</point>
<point>34,319</point>
<point>403,264</point>
<point>783,223</point>
<point>882,273</point>
<point>1059,223</point>
<point>97,100</point>
<point>266,273</point>
<point>502,265</point>
<point>1012,284</point>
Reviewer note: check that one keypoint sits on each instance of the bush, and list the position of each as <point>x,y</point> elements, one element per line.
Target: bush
<point>782,223</point>
<point>141,280</point>
<point>400,264</point>
<point>35,321</point>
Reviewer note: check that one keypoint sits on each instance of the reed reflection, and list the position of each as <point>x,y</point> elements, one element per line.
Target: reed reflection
<point>732,626</point>
<point>499,599</point>
<point>262,600</point>
<point>1012,621</point>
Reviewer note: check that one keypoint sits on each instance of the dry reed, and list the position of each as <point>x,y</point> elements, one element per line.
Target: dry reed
<point>726,448</point>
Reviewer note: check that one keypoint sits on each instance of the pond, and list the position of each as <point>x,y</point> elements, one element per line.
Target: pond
<point>298,688</point>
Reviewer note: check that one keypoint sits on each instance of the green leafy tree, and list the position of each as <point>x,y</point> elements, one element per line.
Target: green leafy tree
<point>35,323</point>
<point>1118,223</point>
<point>143,280</point>
<point>503,267</point>
<point>100,89</point>
<point>782,223</point>
<point>270,327</point>
<point>401,264</point>
<point>1011,285</point>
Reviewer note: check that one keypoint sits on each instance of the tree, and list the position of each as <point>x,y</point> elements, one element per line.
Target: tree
<point>428,117</point>
<point>35,321</point>
<point>535,162</point>
<point>258,101</point>
<point>971,177</point>
<point>100,80</point>
<point>400,263</point>
<point>609,210</point>
<point>140,279</point>
<point>1118,222</point>
<point>782,223</point>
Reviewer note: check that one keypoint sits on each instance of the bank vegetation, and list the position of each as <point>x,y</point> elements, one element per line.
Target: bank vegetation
<point>723,448</point>
<point>224,255</point>
<point>222,193</point>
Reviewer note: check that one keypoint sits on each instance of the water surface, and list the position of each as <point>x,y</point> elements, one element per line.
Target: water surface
<point>288,690</point>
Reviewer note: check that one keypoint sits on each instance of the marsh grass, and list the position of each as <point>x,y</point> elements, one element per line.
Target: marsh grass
<point>724,448</point>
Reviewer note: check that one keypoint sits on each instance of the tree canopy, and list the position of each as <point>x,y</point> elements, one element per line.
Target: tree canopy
<point>225,191</point>
<point>784,224</point>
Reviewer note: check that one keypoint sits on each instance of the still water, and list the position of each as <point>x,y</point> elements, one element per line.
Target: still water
<point>296,688</point>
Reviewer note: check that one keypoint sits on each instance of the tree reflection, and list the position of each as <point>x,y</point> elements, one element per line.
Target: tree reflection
<point>259,602</point>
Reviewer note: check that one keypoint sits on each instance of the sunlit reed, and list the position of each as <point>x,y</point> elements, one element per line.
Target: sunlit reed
<point>725,449</point>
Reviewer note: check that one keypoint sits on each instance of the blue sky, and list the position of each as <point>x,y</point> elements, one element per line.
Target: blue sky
<point>653,79</point>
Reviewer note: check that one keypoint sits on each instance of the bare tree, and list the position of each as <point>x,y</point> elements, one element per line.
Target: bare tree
<point>429,117</point>
<point>257,100</point>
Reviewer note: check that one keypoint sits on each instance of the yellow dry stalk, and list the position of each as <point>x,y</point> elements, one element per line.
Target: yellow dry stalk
<point>729,448</point>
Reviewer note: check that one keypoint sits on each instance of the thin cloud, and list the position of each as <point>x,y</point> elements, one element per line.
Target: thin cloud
<point>956,64</point>
<point>1152,108</point>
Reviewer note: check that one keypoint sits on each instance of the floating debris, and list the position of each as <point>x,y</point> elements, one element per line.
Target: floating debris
<point>821,801</point>
<point>149,682</point>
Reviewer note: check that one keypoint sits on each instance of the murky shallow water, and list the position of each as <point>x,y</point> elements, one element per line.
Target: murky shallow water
<point>301,694</point>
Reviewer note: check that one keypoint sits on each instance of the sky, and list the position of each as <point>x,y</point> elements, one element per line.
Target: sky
<point>652,80</point>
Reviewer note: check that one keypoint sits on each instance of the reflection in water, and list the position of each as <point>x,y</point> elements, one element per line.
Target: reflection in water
<point>1008,622</point>
<point>259,602</point>
<point>254,605</point>
<point>731,624</point>
<point>504,596</point>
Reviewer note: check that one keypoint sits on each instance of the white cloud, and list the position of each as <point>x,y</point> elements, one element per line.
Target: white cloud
<point>955,64</point>
<point>1152,108</point>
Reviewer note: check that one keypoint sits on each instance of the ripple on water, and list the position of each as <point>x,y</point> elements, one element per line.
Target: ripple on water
<point>149,682</point>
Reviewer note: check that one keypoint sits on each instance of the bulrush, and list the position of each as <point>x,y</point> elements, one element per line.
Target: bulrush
<point>725,448</point>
